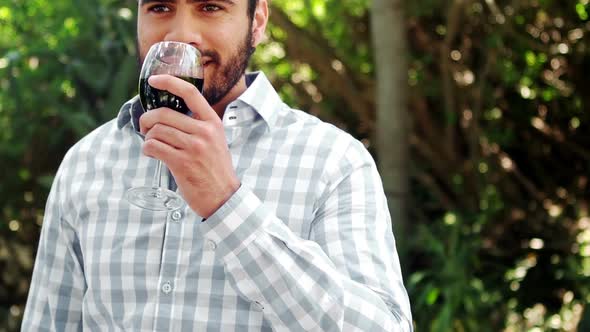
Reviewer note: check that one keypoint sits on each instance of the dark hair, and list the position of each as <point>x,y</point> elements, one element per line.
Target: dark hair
<point>252,8</point>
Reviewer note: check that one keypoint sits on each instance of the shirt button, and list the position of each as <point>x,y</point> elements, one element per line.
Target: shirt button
<point>167,287</point>
<point>211,245</point>
<point>176,215</point>
<point>259,306</point>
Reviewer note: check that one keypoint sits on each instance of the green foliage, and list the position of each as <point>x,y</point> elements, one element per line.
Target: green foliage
<point>512,76</point>
<point>450,293</point>
<point>64,69</point>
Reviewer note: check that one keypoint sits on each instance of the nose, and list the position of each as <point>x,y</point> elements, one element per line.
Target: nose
<point>184,29</point>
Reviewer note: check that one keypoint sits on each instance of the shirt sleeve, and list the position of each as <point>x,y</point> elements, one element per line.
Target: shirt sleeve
<point>344,277</point>
<point>55,297</point>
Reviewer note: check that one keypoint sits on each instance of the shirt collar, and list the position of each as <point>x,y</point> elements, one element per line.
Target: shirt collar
<point>130,113</point>
<point>260,96</point>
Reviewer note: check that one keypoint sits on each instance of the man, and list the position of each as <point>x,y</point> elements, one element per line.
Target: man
<point>286,226</point>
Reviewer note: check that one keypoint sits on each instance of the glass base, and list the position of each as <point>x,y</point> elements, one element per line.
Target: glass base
<point>155,199</point>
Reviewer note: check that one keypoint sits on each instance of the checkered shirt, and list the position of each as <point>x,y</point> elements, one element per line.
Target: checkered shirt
<point>305,244</point>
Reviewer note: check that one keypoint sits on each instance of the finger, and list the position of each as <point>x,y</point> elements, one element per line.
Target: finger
<point>160,150</point>
<point>169,135</point>
<point>170,118</point>
<point>188,92</point>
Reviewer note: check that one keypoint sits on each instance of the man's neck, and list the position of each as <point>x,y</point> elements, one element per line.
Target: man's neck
<point>232,95</point>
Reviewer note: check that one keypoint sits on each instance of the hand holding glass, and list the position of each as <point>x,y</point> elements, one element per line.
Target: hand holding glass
<point>176,59</point>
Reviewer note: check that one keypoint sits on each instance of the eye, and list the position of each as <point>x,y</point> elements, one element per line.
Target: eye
<point>211,8</point>
<point>159,9</point>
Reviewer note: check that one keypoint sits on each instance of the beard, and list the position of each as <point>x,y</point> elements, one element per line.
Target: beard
<point>228,73</point>
<point>220,82</point>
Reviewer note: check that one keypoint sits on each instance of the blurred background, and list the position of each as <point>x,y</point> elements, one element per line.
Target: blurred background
<point>476,111</point>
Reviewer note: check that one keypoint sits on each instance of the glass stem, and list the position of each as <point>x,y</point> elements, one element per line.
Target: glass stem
<point>157,181</point>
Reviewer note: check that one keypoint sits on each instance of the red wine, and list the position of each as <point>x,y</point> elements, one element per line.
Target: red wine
<point>152,98</point>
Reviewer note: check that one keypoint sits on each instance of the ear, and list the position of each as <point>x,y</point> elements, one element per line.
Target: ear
<point>259,22</point>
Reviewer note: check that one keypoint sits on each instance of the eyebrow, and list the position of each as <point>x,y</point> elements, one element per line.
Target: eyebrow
<point>145,2</point>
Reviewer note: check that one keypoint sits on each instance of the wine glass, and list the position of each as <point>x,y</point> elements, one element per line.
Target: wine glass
<point>183,61</point>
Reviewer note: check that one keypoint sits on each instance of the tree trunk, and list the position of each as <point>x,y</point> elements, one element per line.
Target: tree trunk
<point>389,38</point>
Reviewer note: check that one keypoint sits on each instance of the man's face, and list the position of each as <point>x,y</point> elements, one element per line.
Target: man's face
<point>220,29</point>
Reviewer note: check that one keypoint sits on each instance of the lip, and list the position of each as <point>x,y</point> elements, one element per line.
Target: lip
<point>207,61</point>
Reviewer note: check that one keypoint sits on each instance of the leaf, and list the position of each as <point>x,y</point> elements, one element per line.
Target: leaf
<point>432,296</point>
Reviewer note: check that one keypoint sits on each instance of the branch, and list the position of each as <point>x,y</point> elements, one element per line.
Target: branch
<point>423,122</point>
<point>528,185</point>
<point>477,109</point>
<point>453,23</point>
<point>441,169</point>
<point>425,126</point>
<point>314,50</point>
<point>434,188</point>
<point>472,131</point>
<point>555,135</point>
